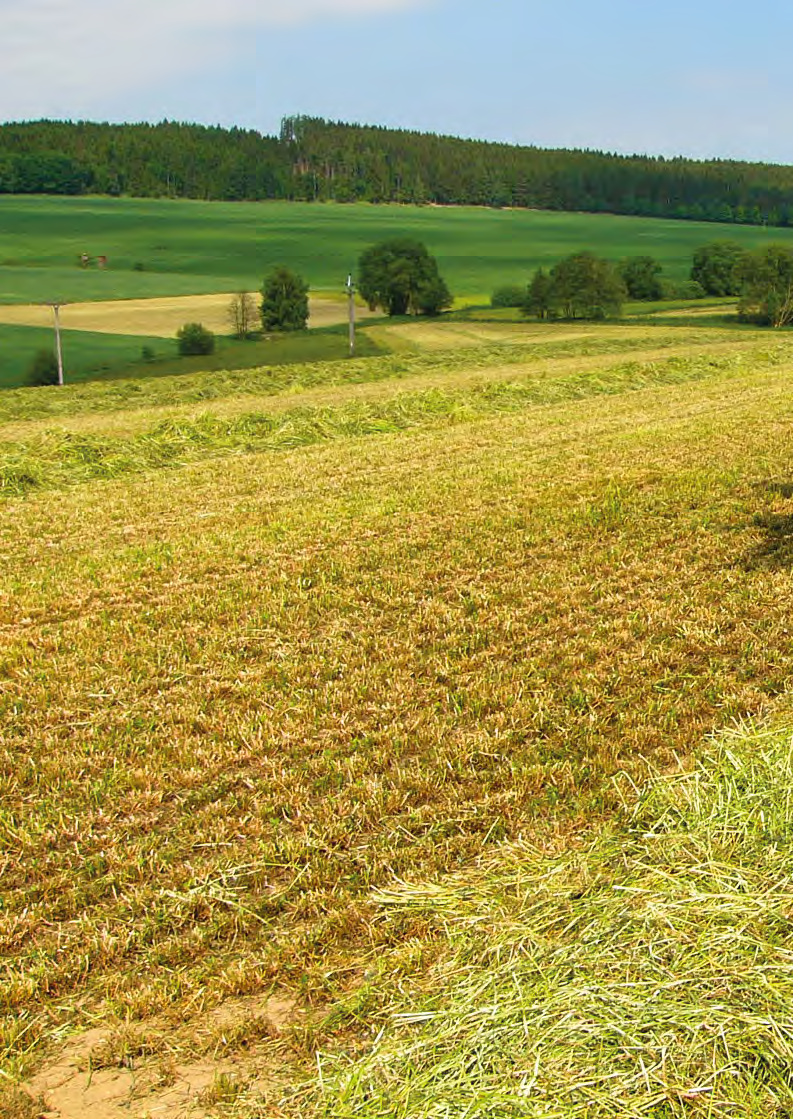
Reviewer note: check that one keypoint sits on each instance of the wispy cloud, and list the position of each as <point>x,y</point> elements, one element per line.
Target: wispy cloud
<point>66,59</point>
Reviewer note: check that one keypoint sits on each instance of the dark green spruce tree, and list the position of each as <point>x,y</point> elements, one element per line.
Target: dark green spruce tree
<point>284,303</point>
<point>539,299</point>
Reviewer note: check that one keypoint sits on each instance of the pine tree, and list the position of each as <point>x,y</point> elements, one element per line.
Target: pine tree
<point>284,303</point>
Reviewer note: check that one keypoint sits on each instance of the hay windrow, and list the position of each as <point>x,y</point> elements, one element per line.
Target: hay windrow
<point>60,458</point>
<point>649,972</point>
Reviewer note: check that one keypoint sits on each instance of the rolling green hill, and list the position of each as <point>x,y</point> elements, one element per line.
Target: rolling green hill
<point>166,247</point>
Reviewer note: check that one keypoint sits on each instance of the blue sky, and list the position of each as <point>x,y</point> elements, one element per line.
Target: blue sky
<point>699,78</point>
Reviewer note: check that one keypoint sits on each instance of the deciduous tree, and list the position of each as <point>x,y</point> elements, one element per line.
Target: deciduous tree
<point>242,314</point>
<point>539,299</point>
<point>716,267</point>
<point>585,286</point>
<point>641,276</point>
<point>401,277</point>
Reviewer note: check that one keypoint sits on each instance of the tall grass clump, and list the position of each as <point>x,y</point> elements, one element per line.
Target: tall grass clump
<point>647,973</point>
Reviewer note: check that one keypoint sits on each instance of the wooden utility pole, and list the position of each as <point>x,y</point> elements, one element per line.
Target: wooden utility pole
<point>56,307</point>
<point>351,299</point>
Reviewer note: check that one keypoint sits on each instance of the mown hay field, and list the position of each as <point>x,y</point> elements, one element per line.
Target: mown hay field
<point>275,642</point>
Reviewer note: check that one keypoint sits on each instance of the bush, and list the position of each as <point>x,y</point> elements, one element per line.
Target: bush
<point>682,289</point>
<point>509,295</point>
<point>193,338</point>
<point>43,369</point>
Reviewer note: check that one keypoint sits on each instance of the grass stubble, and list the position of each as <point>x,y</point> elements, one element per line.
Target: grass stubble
<point>240,696</point>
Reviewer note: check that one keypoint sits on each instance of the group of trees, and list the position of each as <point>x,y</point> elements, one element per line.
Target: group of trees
<point>587,287</point>
<point>283,307</point>
<point>761,278</point>
<point>314,159</point>
<point>582,286</point>
<point>398,276</point>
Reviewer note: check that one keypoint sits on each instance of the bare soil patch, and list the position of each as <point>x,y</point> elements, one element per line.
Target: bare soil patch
<point>120,1074</point>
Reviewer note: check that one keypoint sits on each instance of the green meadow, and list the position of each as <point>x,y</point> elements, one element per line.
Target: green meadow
<point>90,356</point>
<point>188,247</point>
<point>162,248</point>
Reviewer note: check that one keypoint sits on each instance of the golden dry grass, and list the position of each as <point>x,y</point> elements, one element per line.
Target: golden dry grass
<point>439,335</point>
<point>161,317</point>
<point>237,695</point>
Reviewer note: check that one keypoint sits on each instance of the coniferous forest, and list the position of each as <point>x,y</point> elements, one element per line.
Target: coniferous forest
<point>318,160</point>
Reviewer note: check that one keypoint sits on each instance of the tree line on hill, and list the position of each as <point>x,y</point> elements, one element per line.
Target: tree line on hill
<point>317,160</point>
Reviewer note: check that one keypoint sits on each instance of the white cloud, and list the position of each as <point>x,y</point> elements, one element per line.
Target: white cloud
<point>65,59</point>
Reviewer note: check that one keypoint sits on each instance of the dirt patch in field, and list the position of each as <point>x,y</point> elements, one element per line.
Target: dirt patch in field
<point>160,318</point>
<point>110,1074</point>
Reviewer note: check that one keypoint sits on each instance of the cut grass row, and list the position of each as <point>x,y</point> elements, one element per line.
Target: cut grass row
<point>236,699</point>
<point>67,458</point>
<point>496,349</point>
